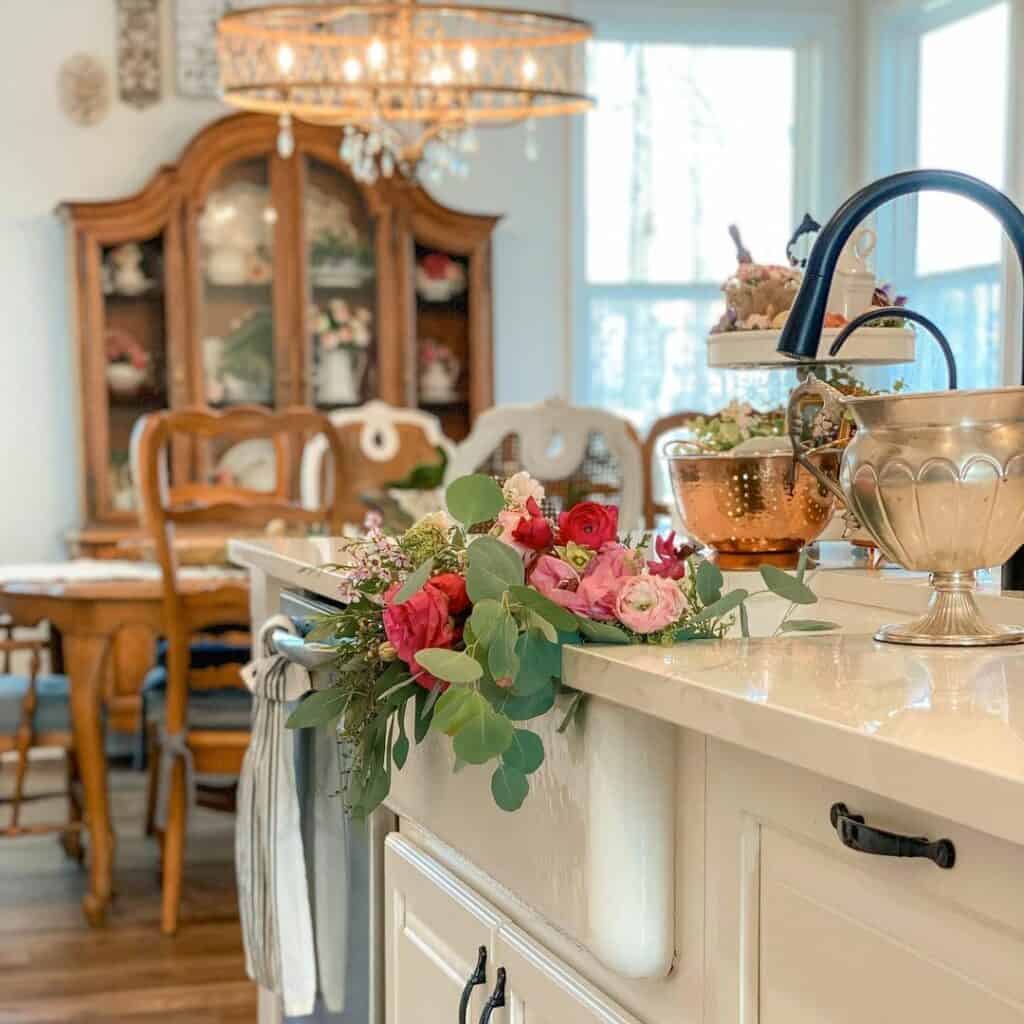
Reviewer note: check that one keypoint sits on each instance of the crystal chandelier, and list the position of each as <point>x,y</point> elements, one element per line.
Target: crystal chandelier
<point>407,82</point>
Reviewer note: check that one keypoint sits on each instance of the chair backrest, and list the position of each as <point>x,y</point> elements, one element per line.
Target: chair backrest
<point>579,454</point>
<point>380,444</point>
<point>658,500</point>
<point>166,506</point>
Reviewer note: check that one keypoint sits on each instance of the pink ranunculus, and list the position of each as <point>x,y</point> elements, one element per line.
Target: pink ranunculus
<point>646,604</point>
<point>558,581</point>
<point>614,559</point>
<point>598,591</point>
<point>422,621</point>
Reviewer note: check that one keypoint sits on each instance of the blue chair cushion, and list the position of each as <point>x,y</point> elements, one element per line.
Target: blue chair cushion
<point>229,709</point>
<point>53,710</point>
<point>209,653</point>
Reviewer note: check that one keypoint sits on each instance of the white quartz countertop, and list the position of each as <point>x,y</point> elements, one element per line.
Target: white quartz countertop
<point>939,729</point>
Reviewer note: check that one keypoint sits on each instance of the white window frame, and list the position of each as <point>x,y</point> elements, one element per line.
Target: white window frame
<point>824,68</point>
<point>893,58</point>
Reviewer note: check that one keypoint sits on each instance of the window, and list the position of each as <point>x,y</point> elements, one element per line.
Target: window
<point>942,251</point>
<point>685,140</point>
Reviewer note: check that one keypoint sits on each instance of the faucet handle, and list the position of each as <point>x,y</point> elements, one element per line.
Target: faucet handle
<point>816,409</point>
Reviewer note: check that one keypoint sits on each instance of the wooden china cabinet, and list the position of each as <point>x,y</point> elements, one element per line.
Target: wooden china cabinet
<point>238,276</point>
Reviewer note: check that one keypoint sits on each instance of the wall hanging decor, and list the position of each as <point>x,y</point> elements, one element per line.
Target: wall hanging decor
<point>138,52</point>
<point>195,45</point>
<point>83,89</point>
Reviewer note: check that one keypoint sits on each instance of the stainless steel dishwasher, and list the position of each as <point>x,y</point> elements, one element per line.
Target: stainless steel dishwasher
<point>345,934</point>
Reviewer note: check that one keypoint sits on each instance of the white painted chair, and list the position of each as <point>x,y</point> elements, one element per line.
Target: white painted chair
<point>382,443</point>
<point>579,453</point>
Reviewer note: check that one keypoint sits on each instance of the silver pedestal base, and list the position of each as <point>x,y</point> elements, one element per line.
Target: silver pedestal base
<point>952,619</point>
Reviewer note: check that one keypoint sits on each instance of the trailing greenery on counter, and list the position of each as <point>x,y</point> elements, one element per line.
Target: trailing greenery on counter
<point>457,625</point>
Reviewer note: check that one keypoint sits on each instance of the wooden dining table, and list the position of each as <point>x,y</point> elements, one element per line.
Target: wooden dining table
<point>89,613</point>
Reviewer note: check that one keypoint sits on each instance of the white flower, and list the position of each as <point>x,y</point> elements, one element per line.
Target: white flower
<point>519,488</point>
<point>425,507</point>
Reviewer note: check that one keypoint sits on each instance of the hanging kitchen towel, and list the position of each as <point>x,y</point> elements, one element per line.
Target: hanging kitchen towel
<point>273,896</point>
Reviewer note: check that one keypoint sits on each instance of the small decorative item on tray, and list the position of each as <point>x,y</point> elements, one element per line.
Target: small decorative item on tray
<point>439,373</point>
<point>342,335</point>
<point>127,363</point>
<point>339,256</point>
<point>439,278</point>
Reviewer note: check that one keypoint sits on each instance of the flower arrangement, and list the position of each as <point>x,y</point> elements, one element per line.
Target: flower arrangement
<point>736,423</point>
<point>127,362</point>
<point>439,277</point>
<point>462,618</point>
<point>337,326</point>
<point>757,297</point>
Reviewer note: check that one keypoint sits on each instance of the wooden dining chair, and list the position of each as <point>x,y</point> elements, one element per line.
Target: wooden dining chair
<point>658,501</point>
<point>35,714</point>
<point>197,731</point>
<point>579,453</point>
<point>381,444</point>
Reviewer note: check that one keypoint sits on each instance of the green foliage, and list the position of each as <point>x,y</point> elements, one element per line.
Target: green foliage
<point>509,787</point>
<point>525,753</point>
<point>559,617</point>
<point>426,476</point>
<point>602,632</point>
<point>457,706</point>
<point>318,708</point>
<point>539,661</point>
<point>484,737</point>
<point>721,607</point>
<point>474,499</point>
<point>414,581</point>
<point>426,701</point>
<point>806,626</point>
<point>492,567</point>
<point>789,587</point>
<point>451,666</point>
<point>486,615</point>
<point>502,659</point>
<point>709,583</point>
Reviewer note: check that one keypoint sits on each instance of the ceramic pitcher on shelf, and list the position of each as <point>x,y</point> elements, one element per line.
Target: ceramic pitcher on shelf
<point>853,285</point>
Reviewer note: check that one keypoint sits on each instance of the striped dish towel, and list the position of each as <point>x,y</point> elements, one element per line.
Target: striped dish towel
<point>273,896</point>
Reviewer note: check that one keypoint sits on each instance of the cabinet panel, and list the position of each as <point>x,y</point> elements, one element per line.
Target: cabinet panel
<point>433,931</point>
<point>542,990</point>
<point>802,929</point>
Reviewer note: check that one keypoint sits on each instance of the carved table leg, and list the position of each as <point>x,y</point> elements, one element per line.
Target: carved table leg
<point>84,660</point>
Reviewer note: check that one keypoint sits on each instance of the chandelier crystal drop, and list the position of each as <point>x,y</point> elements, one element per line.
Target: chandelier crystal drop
<point>409,83</point>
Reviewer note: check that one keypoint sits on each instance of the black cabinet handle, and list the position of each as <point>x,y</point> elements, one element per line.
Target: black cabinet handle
<point>478,977</point>
<point>495,999</point>
<point>856,835</point>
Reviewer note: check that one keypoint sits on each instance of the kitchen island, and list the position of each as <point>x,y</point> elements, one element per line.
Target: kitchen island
<point>679,856</point>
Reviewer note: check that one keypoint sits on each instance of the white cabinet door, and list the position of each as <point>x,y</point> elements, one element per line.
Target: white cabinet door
<point>435,928</point>
<point>433,931</point>
<point>802,930</point>
<point>542,990</point>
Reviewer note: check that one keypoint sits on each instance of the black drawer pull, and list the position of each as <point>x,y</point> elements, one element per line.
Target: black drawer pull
<point>495,999</point>
<point>478,977</point>
<point>856,835</point>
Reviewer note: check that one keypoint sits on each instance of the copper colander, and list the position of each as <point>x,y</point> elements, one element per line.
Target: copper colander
<point>746,504</point>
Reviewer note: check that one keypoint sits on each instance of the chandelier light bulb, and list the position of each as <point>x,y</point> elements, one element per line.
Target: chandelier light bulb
<point>441,74</point>
<point>285,58</point>
<point>529,69</point>
<point>467,58</point>
<point>352,69</point>
<point>285,138</point>
<point>376,55</point>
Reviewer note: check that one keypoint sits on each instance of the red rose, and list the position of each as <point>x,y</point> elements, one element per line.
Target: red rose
<point>589,524</point>
<point>454,587</point>
<point>534,531</point>
<point>422,621</point>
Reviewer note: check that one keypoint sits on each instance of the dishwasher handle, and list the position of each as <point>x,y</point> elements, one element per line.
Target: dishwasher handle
<point>309,655</point>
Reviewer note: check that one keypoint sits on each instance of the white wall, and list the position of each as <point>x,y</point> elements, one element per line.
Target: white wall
<point>46,158</point>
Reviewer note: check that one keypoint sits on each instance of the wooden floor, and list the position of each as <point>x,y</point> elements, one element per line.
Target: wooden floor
<point>55,968</point>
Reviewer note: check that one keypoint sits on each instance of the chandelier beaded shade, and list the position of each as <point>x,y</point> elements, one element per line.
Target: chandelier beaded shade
<point>407,81</point>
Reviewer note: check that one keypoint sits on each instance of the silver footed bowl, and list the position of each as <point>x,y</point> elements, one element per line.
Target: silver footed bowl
<point>937,479</point>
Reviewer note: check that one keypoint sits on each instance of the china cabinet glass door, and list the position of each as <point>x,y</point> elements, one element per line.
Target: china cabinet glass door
<point>135,354</point>
<point>342,288</point>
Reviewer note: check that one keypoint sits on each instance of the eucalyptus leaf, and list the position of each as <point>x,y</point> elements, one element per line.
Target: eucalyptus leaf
<point>509,788</point>
<point>535,663</point>
<point>485,737</point>
<point>502,660</point>
<point>456,707</point>
<point>400,751</point>
<point>414,581</point>
<point>570,714</point>
<point>601,632</point>
<point>426,700</point>
<point>744,621</point>
<point>721,607</point>
<point>484,619</point>
<point>537,621</point>
<point>522,709</point>
<point>525,753</point>
<point>451,666</point>
<point>807,626</point>
<point>318,708</point>
<point>503,561</point>
<point>709,582</point>
<point>390,678</point>
<point>789,587</point>
<point>474,499</point>
<point>558,616</point>
<point>484,585</point>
